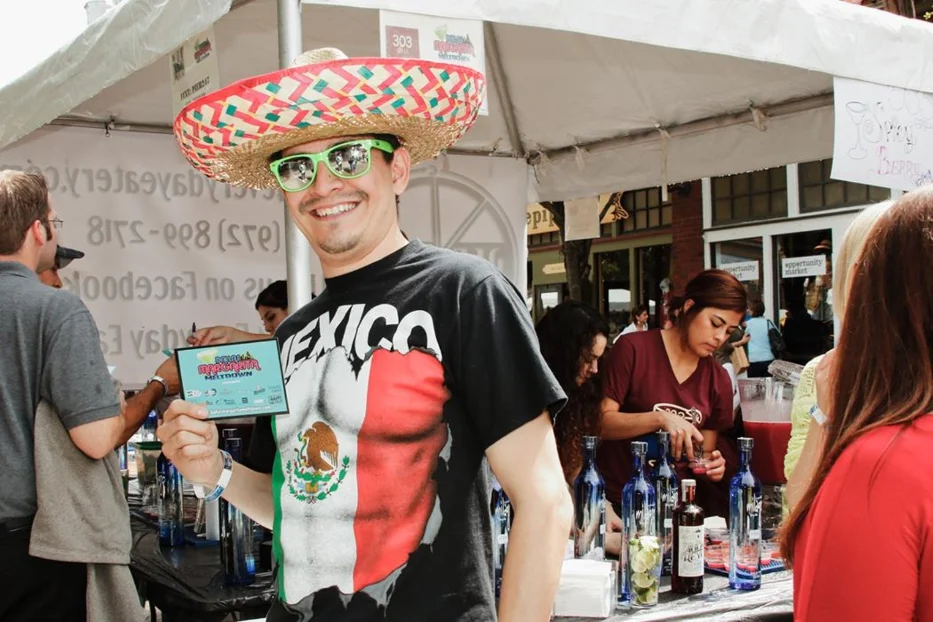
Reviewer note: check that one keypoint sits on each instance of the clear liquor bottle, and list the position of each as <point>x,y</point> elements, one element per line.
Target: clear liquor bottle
<point>589,506</point>
<point>171,504</point>
<point>664,478</point>
<point>501,515</point>
<point>745,523</point>
<point>237,552</point>
<point>640,544</point>
<point>687,577</point>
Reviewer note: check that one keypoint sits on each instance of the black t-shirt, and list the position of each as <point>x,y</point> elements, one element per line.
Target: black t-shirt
<point>399,376</point>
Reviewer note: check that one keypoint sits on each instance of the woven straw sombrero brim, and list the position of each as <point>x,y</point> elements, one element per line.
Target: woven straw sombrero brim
<point>231,134</point>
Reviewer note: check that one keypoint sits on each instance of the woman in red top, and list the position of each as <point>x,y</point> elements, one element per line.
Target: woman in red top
<point>666,379</point>
<point>861,538</point>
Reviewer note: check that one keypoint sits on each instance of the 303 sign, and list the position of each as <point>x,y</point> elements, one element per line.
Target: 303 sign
<point>402,42</point>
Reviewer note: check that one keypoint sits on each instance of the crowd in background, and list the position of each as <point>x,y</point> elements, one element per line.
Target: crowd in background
<point>857,460</point>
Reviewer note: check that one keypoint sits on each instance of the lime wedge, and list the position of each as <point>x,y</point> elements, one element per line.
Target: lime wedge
<point>646,597</point>
<point>642,580</point>
<point>650,542</point>
<point>638,563</point>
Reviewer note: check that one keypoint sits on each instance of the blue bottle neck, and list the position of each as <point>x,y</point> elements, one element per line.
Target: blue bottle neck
<point>589,458</point>
<point>745,459</point>
<point>638,464</point>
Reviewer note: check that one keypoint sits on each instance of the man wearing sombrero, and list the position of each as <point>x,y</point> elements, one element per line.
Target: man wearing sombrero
<point>412,365</point>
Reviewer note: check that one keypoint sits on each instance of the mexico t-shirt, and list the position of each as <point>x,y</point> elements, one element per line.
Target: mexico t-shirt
<point>399,376</point>
<point>640,378</point>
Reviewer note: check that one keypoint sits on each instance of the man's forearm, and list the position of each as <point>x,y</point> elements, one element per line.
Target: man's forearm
<point>532,566</point>
<point>622,426</point>
<point>138,408</point>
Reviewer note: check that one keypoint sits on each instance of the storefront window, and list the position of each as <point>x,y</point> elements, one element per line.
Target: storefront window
<point>645,210</point>
<point>758,195</point>
<point>743,258</point>
<point>543,239</point>
<point>818,191</point>
<point>547,297</point>
<point>803,262</point>
<point>615,289</point>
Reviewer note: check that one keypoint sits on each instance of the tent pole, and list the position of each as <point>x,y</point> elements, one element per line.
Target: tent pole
<point>502,89</point>
<point>297,249</point>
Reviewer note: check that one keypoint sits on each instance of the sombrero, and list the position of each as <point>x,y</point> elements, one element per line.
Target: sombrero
<point>230,134</point>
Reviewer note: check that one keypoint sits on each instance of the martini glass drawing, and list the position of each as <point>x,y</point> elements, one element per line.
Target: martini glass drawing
<point>857,112</point>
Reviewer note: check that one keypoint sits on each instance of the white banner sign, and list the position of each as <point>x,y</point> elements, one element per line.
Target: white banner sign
<point>581,219</point>
<point>164,246</point>
<point>884,135</point>
<point>194,69</point>
<point>811,265</point>
<point>428,37</point>
<point>743,270</point>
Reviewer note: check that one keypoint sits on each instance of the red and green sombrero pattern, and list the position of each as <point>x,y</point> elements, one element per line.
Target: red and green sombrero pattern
<point>230,134</point>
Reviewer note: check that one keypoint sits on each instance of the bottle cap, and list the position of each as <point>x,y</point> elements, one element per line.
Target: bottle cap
<point>664,436</point>
<point>589,441</point>
<point>688,483</point>
<point>229,433</point>
<point>745,442</point>
<point>639,448</point>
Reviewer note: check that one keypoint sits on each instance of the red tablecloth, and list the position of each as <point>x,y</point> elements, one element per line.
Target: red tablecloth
<point>770,447</point>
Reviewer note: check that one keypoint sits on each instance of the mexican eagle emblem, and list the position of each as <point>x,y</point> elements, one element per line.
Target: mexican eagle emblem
<point>317,470</point>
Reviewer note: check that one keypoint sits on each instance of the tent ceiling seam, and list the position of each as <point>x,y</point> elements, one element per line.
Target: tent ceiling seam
<point>814,102</point>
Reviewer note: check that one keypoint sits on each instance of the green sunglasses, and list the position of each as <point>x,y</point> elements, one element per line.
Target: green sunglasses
<point>347,160</point>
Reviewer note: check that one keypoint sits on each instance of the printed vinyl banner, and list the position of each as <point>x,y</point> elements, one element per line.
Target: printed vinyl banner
<point>164,245</point>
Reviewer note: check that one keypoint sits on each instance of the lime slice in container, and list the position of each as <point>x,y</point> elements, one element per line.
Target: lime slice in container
<point>642,580</point>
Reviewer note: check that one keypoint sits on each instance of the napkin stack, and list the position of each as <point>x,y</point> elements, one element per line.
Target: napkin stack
<point>587,589</point>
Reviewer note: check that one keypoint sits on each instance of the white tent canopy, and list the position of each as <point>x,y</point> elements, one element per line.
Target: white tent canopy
<point>599,96</point>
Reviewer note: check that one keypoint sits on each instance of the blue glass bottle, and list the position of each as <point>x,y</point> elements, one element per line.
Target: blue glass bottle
<point>171,505</point>
<point>236,531</point>
<point>639,515</point>
<point>745,523</point>
<point>666,488</point>
<point>589,506</point>
<point>501,515</point>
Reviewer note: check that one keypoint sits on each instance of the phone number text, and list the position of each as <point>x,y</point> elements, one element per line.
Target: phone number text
<point>199,235</point>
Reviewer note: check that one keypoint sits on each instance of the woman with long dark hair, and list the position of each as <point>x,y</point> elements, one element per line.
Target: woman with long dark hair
<point>572,337</point>
<point>861,538</point>
<point>666,379</point>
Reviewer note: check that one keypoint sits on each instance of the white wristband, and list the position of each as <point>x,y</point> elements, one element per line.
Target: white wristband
<point>817,415</point>
<point>225,476</point>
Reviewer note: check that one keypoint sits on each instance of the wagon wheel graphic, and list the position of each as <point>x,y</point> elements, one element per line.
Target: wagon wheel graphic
<point>443,186</point>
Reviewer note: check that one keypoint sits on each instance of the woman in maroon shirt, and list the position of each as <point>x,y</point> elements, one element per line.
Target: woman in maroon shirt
<point>861,538</point>
<point>666,379</point>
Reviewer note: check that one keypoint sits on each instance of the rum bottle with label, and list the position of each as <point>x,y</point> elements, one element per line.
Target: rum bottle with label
<point>745,523</point>
<point>665,486</point>
<point>687,576</point>
<point>640,543</point>
<point>589,507</point>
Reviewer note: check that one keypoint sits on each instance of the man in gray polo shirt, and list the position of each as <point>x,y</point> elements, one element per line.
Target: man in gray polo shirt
<point>51,351</point>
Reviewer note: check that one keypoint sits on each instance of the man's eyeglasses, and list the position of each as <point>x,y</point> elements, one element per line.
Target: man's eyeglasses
<point>347,160</point>
<point>57,223</point>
